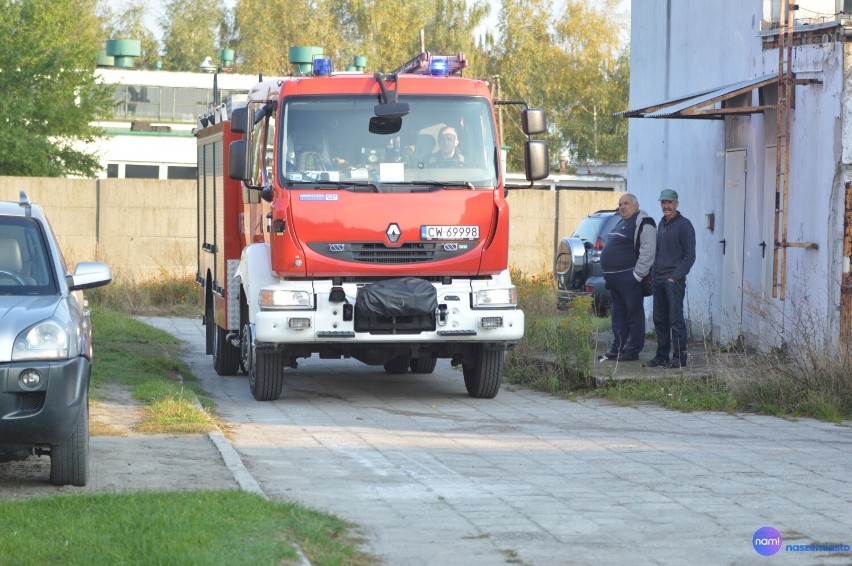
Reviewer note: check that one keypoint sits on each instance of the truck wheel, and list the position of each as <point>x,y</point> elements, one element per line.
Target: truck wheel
<point>209,330</point>
<point>423,365</point>
<point>69,460</point>
<point>266,377</point>
<point>397,365</point>
<point>482,378</point>
<point>226,356</point>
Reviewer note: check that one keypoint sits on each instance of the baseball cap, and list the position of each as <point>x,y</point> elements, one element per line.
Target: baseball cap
<point>668,194</point>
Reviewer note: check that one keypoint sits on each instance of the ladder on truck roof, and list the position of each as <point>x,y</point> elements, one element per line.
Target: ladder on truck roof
<point>428,64</point>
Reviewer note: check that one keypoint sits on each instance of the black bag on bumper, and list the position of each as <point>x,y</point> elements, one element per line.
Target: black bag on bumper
<point>397,305</point>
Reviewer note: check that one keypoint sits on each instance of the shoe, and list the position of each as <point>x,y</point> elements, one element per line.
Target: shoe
<point>675,363</point>
<point>628,357</point>
<point>656,363</point>
<point>609,356</point>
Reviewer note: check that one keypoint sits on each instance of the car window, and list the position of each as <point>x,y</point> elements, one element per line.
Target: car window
<point>25,267</point>
<point>608,225</point>
<point>588,229</point>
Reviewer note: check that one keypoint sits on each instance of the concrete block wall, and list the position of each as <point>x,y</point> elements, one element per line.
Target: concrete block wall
<point>145,227</point>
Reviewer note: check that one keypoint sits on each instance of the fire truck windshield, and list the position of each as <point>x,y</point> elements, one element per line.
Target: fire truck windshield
<point>444,142</point>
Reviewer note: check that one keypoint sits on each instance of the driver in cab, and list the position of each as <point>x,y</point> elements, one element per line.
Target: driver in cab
<point>447,154</point>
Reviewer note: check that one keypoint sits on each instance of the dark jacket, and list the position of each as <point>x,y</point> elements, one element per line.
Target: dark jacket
<point>619,254</point>
<point>675,248</point>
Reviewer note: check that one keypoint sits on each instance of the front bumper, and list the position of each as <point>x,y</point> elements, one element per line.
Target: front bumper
<point>47,414</point>
<point>455,321</point>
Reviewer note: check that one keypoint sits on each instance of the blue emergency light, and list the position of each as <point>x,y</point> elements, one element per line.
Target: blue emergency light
<point>323,67</point>
<point>439,66</point>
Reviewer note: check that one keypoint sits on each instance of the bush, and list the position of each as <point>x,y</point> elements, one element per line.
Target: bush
<point>555,354</point>
<point>165,294</point>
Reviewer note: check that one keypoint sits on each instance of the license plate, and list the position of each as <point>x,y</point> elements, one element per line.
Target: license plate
<point>449,232</point>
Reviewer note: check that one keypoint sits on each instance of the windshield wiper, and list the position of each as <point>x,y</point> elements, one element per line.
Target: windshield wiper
<point>429,186</point>
<point>355,186</point>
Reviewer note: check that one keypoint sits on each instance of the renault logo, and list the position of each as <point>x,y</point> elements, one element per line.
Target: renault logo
<point>393,232</point>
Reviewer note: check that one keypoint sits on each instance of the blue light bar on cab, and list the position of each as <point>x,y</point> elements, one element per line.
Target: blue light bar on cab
<point>323,67</point>
<point>444,65</point>
<point>439,66</point>
<point>429,64</point>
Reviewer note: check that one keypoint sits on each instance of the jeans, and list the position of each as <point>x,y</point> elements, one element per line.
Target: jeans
<point>628,312</point>
<point>669,323</point>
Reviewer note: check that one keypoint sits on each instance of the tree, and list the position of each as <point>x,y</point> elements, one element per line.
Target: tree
<point>525,57</point>
<point>130,24</point>
<point>386,32</point>
<point>596,73</point>
<point>48,87</point>
<point>573,67</point>
<point>266,29</point>
<point>450,30</point>
<point>190,33</point>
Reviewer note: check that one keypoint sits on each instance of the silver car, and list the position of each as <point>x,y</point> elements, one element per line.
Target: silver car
<point>45,345</point>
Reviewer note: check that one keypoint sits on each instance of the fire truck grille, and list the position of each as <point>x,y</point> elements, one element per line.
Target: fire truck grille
<point>381,254</point>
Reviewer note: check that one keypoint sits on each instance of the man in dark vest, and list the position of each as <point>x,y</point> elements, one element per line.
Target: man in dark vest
<point>623,271</point>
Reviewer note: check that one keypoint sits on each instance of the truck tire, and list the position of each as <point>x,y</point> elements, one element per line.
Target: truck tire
<point>69,460</point>
<point>266,377</point>
<point>423,365</point>
<point>482,378</point>
<point>226,356</point>
<point>209,329</point>
<point>397,365</point>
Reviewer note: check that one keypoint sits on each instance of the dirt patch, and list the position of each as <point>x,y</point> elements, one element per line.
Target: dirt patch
<point>115,413</point>
<point>122,459</point>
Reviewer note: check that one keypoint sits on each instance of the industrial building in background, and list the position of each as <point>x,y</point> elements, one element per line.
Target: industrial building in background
<point>151,133</point>
<point>745,110</point>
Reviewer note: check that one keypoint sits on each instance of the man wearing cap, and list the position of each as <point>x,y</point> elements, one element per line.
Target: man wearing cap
<point>675,257</point>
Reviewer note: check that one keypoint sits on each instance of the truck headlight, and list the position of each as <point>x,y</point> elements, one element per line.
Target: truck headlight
<point>47,340</point>
<point>285,299</point>
<point>495,298</point>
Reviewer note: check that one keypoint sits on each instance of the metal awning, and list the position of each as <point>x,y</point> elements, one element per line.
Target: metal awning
<point>707,104</point>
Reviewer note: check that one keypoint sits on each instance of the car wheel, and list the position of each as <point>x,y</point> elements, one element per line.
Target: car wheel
<point>482,377</point>
<point>266,376</point>
<point>69,460</point>
<point>397,365</point>
<point>226,356</point>
<point>423,365</point>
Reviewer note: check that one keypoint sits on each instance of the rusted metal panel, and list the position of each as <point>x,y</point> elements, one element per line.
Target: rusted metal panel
<point>846,282</point>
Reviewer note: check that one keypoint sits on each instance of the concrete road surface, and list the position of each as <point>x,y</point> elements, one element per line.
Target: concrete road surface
<point>434,477</point>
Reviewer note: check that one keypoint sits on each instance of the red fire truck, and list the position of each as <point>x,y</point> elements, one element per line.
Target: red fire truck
<point>344,214</point>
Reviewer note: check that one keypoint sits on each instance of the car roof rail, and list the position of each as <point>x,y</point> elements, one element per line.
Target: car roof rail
<point>24,201</point>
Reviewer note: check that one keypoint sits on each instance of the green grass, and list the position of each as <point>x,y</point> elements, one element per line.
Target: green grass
<point>146,361</point>
<point>678,393</point>
<point>198,527</point>
<point>806,379</point>
<point>201,527</point>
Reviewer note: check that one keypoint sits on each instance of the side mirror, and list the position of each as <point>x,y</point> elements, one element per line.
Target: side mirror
<point>536,160</point>
<point>237,161</point>
<point>239,120</point>
<point>88,275</point>
<point>533,121</point>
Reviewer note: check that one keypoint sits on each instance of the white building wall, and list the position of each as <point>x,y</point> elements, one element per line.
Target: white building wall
<point>680,47</point>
